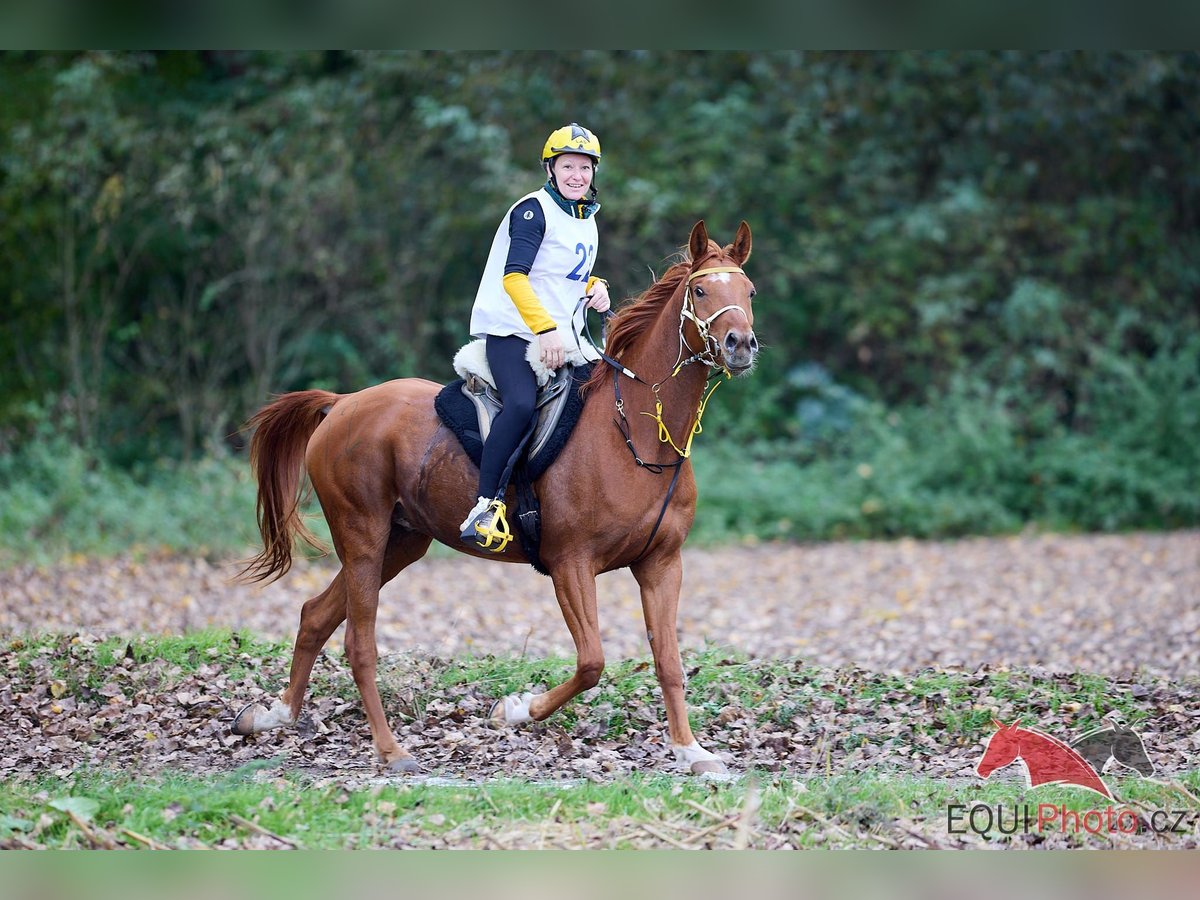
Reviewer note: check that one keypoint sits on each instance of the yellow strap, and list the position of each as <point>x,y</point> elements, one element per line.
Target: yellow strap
<point>687,451</point>
<point>713,270</point>
<point>664,435</point>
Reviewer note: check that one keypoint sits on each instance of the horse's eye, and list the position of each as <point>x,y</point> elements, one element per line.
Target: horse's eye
<point>699,292</point>
<point>752,293</point>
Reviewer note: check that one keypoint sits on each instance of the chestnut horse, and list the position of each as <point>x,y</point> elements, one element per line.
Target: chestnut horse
<point>391,478</point>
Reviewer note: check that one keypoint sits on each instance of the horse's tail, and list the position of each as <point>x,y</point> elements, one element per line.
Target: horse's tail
<point>281,433</point>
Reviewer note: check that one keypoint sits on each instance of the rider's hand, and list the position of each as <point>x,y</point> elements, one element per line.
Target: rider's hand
<point>598,298</point>
<point>552,349</point>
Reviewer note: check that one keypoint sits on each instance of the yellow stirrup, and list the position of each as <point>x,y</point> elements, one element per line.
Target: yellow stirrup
<point>498,531</point>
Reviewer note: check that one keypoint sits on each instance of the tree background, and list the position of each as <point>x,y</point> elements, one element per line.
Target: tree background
<point>978,273</point>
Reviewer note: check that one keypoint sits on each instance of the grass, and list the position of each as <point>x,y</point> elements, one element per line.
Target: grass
<point>270,809</point>
<point>83,663</point>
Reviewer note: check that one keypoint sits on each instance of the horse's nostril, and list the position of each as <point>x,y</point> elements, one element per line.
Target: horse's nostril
<point>753,344</point>
<point>731,342</point>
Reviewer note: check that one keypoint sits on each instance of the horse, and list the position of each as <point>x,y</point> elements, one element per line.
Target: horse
<point>1047,759</point>
<point>1117,741</point>
<point>391,478</point>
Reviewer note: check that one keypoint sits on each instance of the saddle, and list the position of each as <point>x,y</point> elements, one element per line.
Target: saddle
<point>550,405</point>
<point>469,405</point>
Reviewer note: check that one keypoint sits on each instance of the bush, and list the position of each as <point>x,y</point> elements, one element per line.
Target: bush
<point>57,500</point>
<point>974,460</point>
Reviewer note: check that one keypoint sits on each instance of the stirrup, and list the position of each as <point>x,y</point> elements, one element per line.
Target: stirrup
<point>489,529</point>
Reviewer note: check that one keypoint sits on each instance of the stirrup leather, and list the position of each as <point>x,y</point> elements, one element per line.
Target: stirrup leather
<point>492,527</point>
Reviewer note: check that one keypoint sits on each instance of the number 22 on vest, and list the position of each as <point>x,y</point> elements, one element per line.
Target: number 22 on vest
<point>583,268</point>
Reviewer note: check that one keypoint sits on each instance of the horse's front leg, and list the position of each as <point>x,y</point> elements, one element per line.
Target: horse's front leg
<point>660,577</point>
<point>576,592</point>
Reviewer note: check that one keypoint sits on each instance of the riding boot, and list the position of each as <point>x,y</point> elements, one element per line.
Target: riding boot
<point>486,526</point>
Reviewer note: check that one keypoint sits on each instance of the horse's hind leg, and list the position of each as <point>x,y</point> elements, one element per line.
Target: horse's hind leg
<point>576,592</point>
<point>319,617</point>
<point>364,577</point>
<point>660,578</point>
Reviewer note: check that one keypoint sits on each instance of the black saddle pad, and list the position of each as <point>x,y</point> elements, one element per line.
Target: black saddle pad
<point>458,414</point>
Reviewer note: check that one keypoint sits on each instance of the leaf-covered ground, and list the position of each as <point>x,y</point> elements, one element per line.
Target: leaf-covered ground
<point>844,757</point>
<point>72,701</point>
<point>1103,604</point>
<point>805,663</point>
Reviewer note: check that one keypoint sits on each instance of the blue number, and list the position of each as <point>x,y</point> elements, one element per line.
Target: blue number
<point>585,254</point>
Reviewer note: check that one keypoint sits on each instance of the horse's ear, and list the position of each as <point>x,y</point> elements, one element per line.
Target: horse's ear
<point>741,244</point>
<point>698,242</point>
<point>997,722</point>
<point>1016,722</point>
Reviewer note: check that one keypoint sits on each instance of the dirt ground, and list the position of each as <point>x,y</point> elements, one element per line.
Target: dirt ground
<point>1104,604</point>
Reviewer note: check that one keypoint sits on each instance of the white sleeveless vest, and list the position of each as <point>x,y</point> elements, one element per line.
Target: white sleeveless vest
<point>558,277</point>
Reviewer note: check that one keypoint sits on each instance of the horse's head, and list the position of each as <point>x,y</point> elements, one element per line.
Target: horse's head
<point>1129,750</point>
<point>718,301</point>
<point>1002,748</point>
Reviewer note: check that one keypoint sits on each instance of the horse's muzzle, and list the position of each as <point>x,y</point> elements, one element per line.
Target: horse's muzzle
<point>739,349</point>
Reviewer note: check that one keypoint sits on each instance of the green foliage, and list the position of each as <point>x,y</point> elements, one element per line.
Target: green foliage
<point>963,259</point>
<point>56,499</point>
<point>974,460</point>
<point>83,663</point>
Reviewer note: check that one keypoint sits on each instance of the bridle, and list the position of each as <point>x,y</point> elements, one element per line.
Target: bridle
<point>687,312</point>
<point>706,355</point>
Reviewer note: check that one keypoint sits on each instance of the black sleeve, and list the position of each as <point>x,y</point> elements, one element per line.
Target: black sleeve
<point>526,228</point>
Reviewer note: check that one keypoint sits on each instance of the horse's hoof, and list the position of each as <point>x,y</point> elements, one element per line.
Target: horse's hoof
<point>243,722</point>
<point>512,710</point>
<point>709,767</point>
<point>695,759</point>
<point>405,765</point>
<point>254,718</point>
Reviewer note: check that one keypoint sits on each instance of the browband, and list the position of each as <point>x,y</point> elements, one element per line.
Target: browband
<point>713,270</point>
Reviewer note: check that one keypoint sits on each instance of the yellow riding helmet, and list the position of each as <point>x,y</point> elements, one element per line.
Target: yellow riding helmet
<point>571,138</point>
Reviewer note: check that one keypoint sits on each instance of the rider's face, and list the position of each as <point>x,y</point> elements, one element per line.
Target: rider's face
<point>573,172</point>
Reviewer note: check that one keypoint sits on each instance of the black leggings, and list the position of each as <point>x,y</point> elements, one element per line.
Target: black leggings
<point>518,387</point>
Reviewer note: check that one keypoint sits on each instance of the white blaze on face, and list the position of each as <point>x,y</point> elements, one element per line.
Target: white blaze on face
<point>722,277</point>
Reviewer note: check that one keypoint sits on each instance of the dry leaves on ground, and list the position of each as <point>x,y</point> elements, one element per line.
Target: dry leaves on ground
<point>1104,604</point>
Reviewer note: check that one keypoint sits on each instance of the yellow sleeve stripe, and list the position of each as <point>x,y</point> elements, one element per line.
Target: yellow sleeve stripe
<point>592,283</point>
<point>520,291</point>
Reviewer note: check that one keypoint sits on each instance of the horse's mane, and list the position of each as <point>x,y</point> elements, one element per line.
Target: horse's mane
<point>634,318</point>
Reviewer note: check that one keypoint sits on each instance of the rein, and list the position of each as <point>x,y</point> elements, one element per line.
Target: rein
<point>707,355</point>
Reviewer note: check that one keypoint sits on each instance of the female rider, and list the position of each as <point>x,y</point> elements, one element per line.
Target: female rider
<point>540,263</point>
